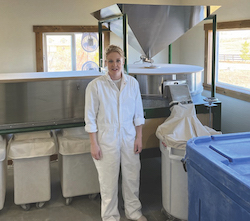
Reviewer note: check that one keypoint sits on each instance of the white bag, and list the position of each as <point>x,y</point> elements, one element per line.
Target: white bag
<point>182,125</point>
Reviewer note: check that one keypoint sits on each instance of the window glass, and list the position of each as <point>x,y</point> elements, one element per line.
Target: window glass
<point>87,53</point>
<point>234,58</point>
<point>58,52</point>
<point>71,52</point>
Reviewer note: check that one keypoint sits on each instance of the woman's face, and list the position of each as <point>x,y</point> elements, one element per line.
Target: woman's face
<point>114,62</point>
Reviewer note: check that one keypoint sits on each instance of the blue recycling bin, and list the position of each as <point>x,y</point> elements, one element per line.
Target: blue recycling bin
<point>218,170</point>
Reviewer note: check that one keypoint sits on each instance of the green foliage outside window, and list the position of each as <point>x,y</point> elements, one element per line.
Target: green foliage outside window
<point>245,51</point>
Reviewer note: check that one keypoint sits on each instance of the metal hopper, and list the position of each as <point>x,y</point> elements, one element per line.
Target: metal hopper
<point>152,28</point>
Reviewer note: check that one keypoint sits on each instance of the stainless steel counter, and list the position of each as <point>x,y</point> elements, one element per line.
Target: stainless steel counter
<point>40,99</point>
<point>46,76</point>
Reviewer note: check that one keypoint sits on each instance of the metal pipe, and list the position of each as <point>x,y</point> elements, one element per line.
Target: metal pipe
<point>110,19</point>
<point>125,41</point>
<point>100,45</point>
<point>170,54</point>
<point>208,11</point>
<point>213,85</point>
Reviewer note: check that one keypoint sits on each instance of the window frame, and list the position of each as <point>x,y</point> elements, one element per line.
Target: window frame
<point>230,91</point>
<point>41,30</point>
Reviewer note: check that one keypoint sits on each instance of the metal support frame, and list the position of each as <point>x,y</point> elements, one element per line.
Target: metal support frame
<point>170,54</point>
<point>125,41</point>
<point>100,45</point>
<point>125,38</point>
<point>40,128</point>
<point>213,89</point>
<point>211,100</point>
<point>213,84</point>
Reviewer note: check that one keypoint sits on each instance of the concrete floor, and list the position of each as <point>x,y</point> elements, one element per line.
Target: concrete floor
<point>82,208</point>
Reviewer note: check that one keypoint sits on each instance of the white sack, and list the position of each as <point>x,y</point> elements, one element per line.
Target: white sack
<point>182,125</point>
<point>2,148</point>
<point>75,131</point>
<point>74,141</point>
<point>19,149</point>
<point>32,135</point>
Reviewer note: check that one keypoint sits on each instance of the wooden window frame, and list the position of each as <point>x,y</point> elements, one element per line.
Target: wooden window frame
<point>228,91</point>
<point>40,30</point>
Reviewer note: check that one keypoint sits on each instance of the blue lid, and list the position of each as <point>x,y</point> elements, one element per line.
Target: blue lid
<point>225,161</point>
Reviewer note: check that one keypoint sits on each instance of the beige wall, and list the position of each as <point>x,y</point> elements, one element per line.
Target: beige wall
<point>193,40</point>
<point>235,113</point>
<point>17,17</point>
<point>230,9</point>
<point>17,40</point>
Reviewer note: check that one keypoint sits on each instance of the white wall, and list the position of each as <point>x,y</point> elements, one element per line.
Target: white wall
<point>230,9</point>
<point>17,39</point>
<point>17,17</point>
<point>235,113</point>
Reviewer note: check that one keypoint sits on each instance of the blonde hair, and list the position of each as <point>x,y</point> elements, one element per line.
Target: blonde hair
<point>114,48</point>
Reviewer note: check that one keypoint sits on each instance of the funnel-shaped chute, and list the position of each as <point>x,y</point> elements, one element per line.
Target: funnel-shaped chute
<point>153,27</point>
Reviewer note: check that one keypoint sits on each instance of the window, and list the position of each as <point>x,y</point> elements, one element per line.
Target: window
<point>71,52</point>
<point>68,48</point>
<point>232,59</point>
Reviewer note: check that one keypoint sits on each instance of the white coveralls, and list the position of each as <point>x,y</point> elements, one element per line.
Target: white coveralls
<point>113,114</point>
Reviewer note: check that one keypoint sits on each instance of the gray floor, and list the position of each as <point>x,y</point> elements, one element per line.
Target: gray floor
<point>82,208</point>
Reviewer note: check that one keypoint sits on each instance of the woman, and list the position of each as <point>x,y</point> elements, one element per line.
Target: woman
<point>114,118</point>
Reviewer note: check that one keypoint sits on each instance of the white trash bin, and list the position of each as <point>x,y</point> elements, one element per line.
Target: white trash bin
<point>3,171</point>
<point>31,153</point>
<point>77,169</point>
<point>178,128</point>
<point>174,182</point>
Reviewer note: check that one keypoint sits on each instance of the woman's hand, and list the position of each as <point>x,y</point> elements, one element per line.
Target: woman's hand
<point>96,152</point>
<point>138,140</point>
<point>138,145</point>
<point>95,149</point>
